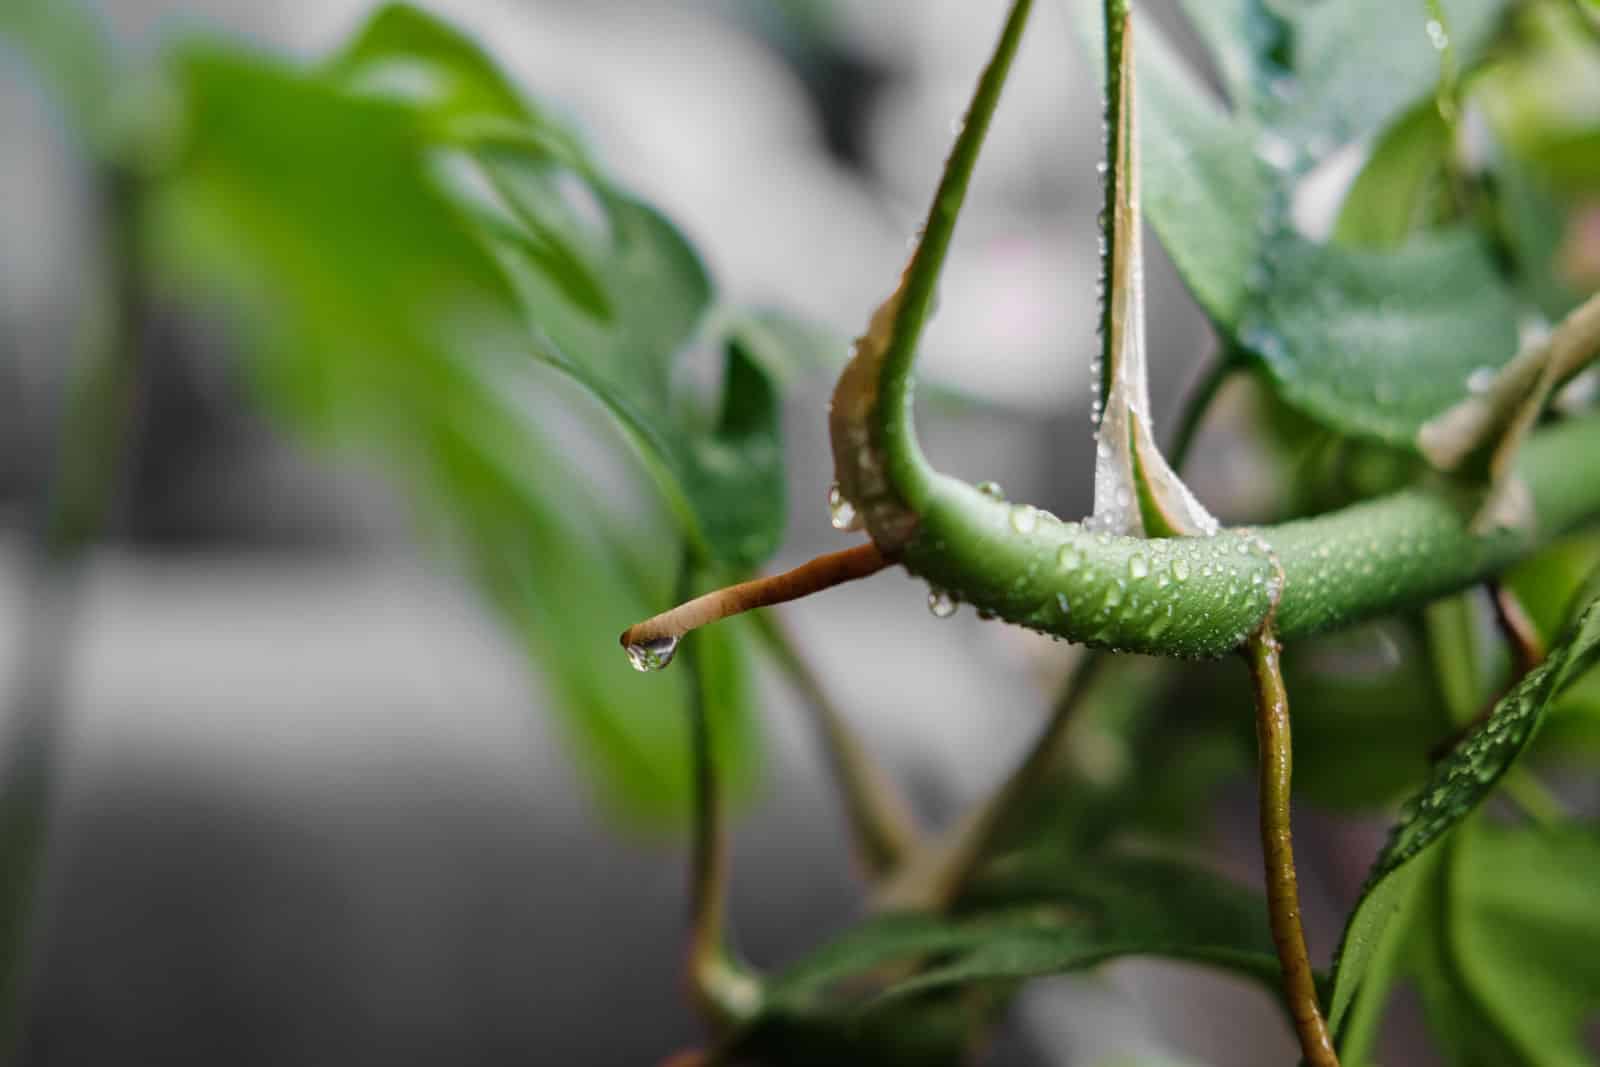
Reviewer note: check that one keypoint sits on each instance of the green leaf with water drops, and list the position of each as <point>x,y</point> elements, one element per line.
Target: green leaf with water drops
<point>1459,783</point>
<point>1376,343</point>
<point>1368,342</point>
<point>1356,66</point>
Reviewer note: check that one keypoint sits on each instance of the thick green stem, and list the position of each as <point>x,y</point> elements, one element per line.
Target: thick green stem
<point>1276,761</point>
<point>1200,597</point>
<point>881,827</point>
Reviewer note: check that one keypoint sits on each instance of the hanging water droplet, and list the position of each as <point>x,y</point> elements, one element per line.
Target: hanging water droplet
<point>1024,518</point>
<point>1437,35</point>
<point>992,490</point>
<point>941,604</point>
<point>652,655</point>
<point>1138,566</point>
<point>841,513</point>
<point>1480,381</point>
<point>1068,558</point>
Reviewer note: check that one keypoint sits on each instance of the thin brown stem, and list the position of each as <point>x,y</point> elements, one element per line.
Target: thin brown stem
<point>935,883</point>
<point>882,829</point>
<point>1527,647</point>
<point>824,572</point>
<point>1276,762</point>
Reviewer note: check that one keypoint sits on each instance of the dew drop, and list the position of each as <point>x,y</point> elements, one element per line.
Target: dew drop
<point>1114,593</point>
<point>1024,518</point>
<point>1068,558</point>
<point>941,604</point>
<point>1480,381</point>
<point>841,513</point>
<point>1437,35</point>
<point>652,655</point>
<point>1061,602</point>
<point>1138,566</point>
<point>992,490</point>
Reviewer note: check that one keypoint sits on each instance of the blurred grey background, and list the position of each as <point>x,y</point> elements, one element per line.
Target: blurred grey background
<point>313,811</point>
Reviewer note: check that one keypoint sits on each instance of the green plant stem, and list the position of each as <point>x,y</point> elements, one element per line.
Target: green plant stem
<point>947,867</point>
<point>725,993</point>
<point>1205,389</point>
<point>1371,558</point>
<point>882,830</point>
<point>92,442</point>
<point>1276,761</point>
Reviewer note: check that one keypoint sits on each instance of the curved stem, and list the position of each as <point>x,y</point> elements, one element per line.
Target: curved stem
<point>1276,761</point>
<point>881,827</point>
<point>1196,404</point>
<point>824,572</point>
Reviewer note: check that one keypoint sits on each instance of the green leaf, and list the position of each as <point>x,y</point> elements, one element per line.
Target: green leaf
<point>1357,65</point>
<point>380,318</point>
<point>1376,343</point>
<point>1507,959</point>
<point>71,54</point>
<point>1366,714</point>
<point>1458,785</point>
<point>1393,195</point>
<point>1369,342</point>
<point>614,294</point>
<point>1042,914</point>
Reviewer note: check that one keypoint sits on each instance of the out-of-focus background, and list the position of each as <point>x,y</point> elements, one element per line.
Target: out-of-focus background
<point>312,806</point>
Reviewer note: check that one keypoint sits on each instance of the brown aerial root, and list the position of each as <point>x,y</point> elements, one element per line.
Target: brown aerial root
<point>824,572</point>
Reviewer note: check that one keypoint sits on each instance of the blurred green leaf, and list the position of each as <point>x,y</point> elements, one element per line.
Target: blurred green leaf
<point>614,295</point>
<point>1506,953</point>
<point>1043,913</point>
<point>1358,65</point>
<point>1366,714</point>
<point>386,316</point>
<point>71,53</point>
<point>1392,196</point>
<point>1458,785</point>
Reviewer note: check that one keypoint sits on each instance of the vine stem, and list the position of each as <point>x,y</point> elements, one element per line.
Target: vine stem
<point>1276,762</point>
<point>882,830</point>
<point>821,573</point>
<point>947,868</point>
<point>91,446</point>
<point>724,992</point>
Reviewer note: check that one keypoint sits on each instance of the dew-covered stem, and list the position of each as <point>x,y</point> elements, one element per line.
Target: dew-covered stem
<point>877,461</point>
<point>1276,761</point>
<point>652,643</point>
<point>882,830</point>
